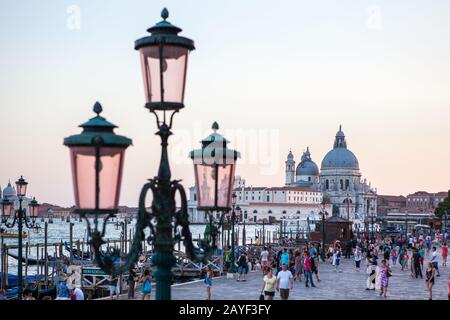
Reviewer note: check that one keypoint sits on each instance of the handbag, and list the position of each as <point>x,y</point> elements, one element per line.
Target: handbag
<point>261,296</point>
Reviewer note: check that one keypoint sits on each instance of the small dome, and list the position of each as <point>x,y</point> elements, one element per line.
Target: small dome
<point>307,167</point>
<point>9,191</point>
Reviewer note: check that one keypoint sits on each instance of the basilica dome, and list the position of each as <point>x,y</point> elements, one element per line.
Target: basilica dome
<point>9,191</point>
<point>340,156</point>
<point>307,167</point>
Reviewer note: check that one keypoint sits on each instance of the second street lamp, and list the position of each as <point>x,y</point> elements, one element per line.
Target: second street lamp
<point>214,166</point>
<point>20,216</point>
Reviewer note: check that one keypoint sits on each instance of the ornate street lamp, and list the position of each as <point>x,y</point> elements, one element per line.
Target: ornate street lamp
<point>323,214</point>
<point>20,216</point>
<point>214,167</point>
<point>164,63</point>
<point>97,155</point>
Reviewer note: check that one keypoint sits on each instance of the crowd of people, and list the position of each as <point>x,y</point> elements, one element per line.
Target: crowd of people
<point>289,262</point>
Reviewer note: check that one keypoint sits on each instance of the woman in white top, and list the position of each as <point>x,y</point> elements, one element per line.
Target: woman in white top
<point>358,258</point>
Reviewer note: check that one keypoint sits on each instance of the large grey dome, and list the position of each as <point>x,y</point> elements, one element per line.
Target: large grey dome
<point>307,167</point>
<point>340,156</point>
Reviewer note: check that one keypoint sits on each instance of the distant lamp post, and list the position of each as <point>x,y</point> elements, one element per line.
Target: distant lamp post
<point>406,224</point>
<point>372,222</point>
<point>20,216</point>
<point>214,167</point>
<point>323,215</point>
<point>234,209</point>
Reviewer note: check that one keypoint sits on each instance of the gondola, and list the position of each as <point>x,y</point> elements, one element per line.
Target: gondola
<point>85,255</point>
<point>13,279</point>
<point>32,261</point>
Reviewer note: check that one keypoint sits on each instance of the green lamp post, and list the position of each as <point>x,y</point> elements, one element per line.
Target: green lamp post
<point>20,216</point>
<point>214,167</point>
<point>97,159</point>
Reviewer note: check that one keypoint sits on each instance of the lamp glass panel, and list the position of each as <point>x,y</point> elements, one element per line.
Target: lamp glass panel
<point>174,73</point>
<point>205,179</point>
<point>84,177</point>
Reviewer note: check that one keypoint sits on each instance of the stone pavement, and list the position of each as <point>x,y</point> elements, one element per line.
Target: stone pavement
<point>346,285</point>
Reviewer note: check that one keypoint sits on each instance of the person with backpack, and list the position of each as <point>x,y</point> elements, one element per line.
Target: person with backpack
<point>146,284</point>
<point>243,267</point>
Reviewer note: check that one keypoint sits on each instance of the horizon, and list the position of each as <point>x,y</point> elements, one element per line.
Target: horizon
<point>275,77</point>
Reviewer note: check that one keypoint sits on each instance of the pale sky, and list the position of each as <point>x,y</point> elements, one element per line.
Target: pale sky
<point>275,75</point>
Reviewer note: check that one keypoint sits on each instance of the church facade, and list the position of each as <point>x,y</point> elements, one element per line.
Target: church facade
<point>339,179</point>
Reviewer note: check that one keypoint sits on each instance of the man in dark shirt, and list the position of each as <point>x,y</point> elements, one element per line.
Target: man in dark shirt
<point>416,263</point>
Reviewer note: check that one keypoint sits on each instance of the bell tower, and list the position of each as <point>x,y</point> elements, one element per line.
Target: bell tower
<point>290,168</point>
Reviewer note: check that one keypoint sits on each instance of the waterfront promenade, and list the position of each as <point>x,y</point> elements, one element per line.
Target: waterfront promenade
<point>346,285</point>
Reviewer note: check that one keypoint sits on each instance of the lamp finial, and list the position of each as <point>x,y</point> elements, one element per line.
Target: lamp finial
<point>98,108</point>
<point>164,13</point>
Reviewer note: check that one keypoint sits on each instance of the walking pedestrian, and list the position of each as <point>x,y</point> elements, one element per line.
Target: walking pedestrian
<point>444,253</point>
<point>434,260</point>
<point>208,281</point>
<point>112,284</point>
<point>132,278</point>
<point>405,258</point>
<point>285,257</point>
<point>429,279</point>
<point>358,257</point>
<point>243,267</point>
<point>336,258</point>
<point>394,255</point>
<point>307,265</point>
<point>146,285</point>
<point>269,282</point>
<point>228,259</point>
<point>384,274</point>
<point>315,266</point>
<point>421,256</point>
<point>264,259</point>
<point>416,264</point>
<point>285,282</point>
<point>370,283</point>
<point>298,266</point>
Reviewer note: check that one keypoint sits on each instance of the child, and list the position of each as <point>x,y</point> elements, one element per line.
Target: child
<point>208,281</point>
<point>394,256</point>
<point>405,260</point>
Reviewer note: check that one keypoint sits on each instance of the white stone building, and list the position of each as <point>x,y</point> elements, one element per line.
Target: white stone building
<point>269,204</point>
